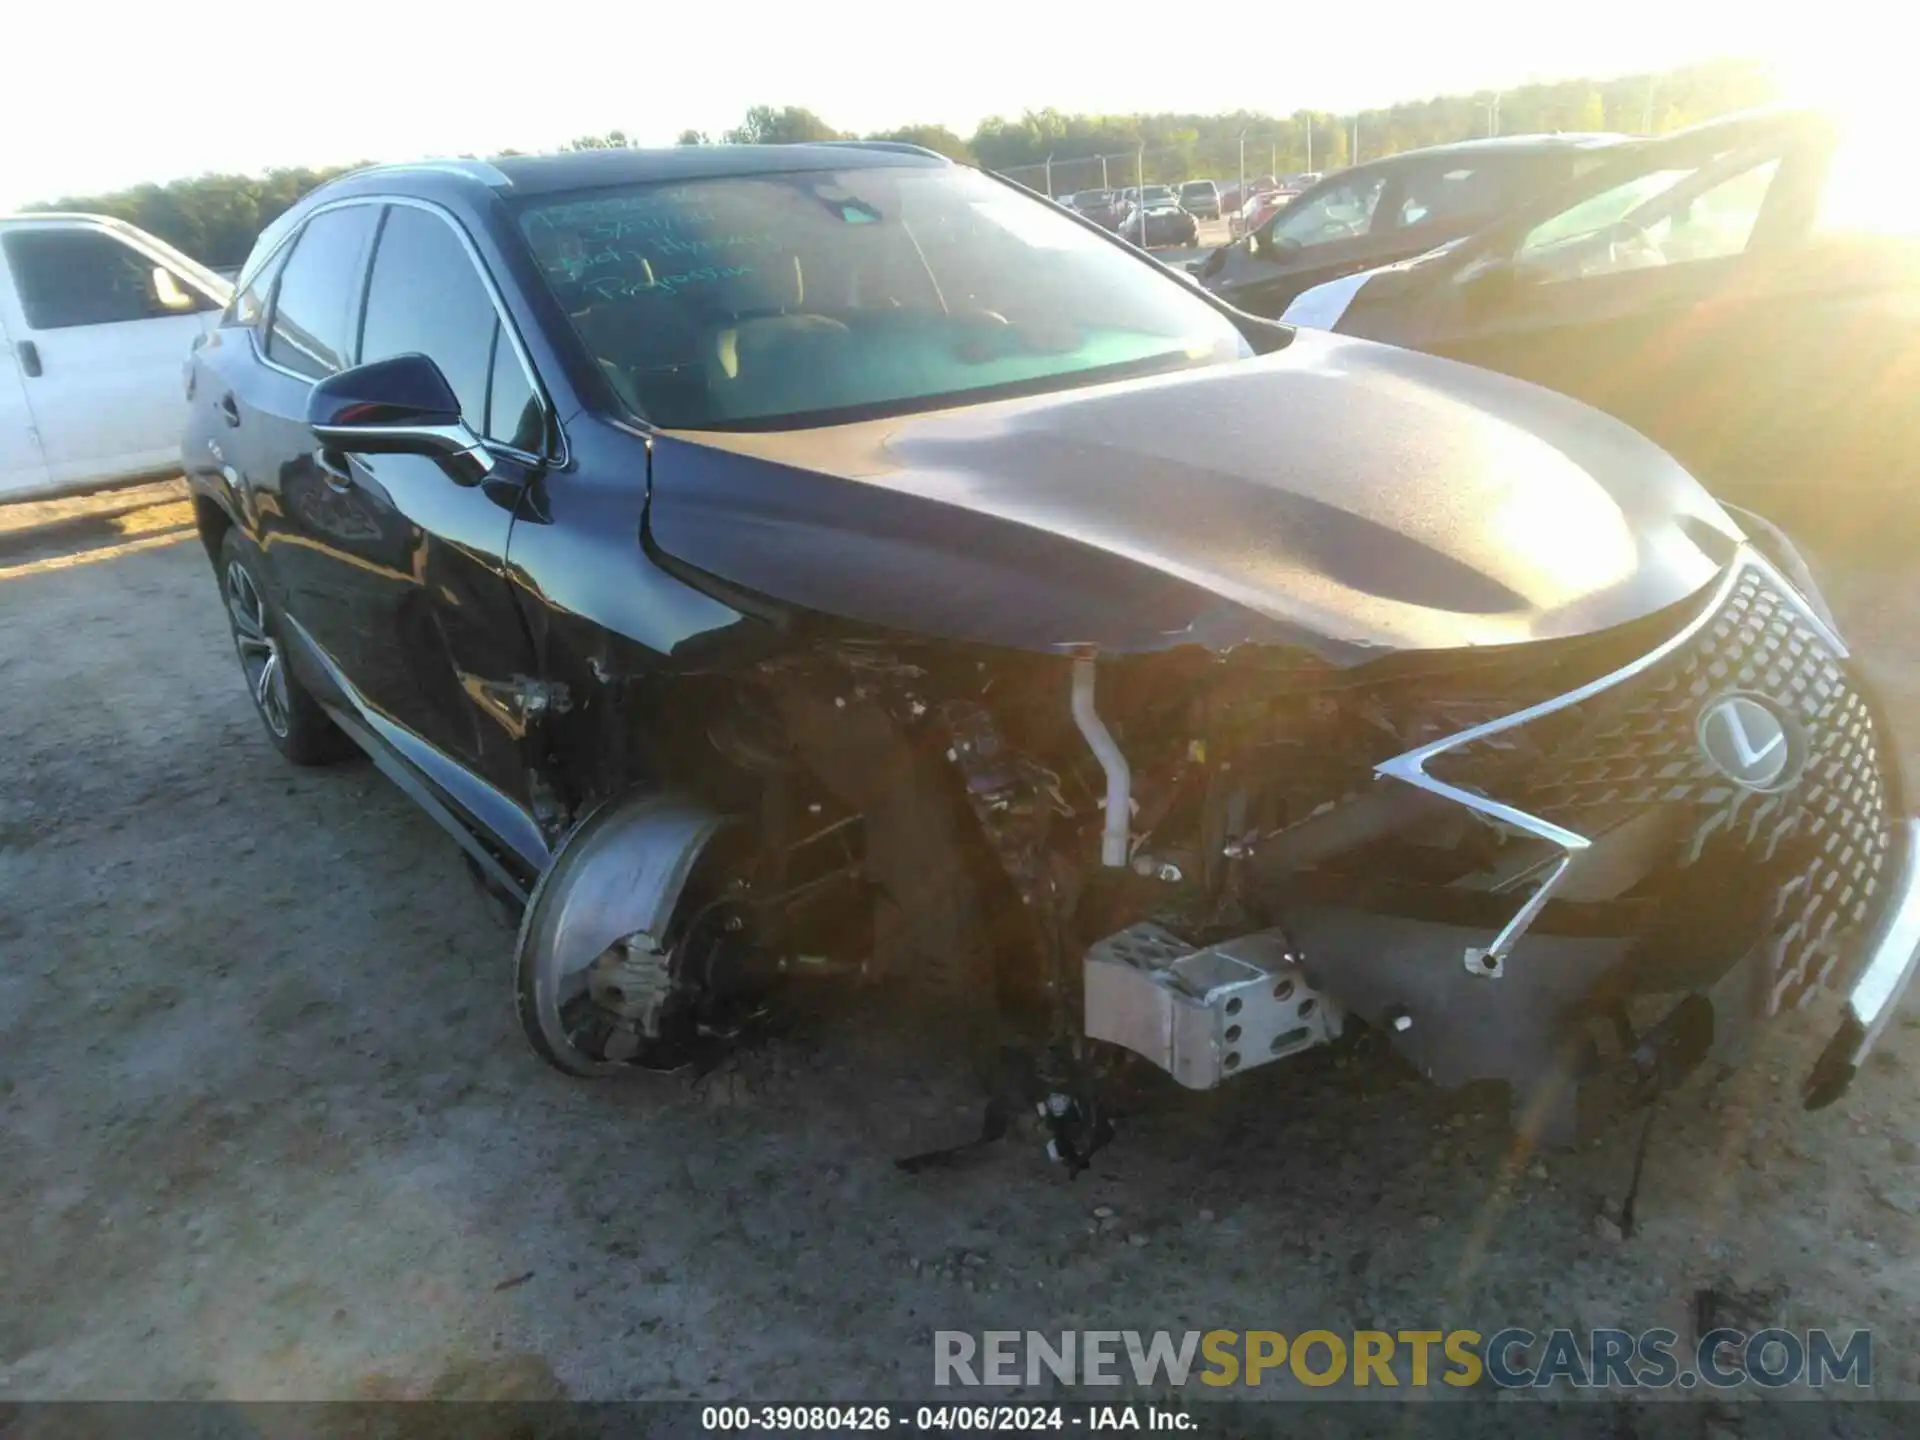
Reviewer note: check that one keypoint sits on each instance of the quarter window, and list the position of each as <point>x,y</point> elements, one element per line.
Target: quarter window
<point>312,327</point>
<point>68,278</point>
<point>248,308</point>
<point>514,416</point>
<point>425,297</point>
<point>1434,194</point>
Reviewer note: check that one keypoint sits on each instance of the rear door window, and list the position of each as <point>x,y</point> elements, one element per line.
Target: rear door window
<point>1445,191</point>
<point>311,332</point>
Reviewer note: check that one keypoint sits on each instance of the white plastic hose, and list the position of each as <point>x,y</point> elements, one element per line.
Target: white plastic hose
<point>1113,838</point>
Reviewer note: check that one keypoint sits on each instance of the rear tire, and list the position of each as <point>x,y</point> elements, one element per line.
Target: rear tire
<point>294,721</point>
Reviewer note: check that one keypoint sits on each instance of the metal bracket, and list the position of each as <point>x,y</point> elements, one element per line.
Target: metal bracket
<point>1205,1015</point>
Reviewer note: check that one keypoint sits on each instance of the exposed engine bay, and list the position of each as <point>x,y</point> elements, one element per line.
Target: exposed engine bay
<point>1213,863</point>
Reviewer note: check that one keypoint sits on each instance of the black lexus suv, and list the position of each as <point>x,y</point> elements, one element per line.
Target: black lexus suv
<point>774,564</point>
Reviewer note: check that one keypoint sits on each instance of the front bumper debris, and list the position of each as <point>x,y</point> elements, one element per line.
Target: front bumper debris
<point>1760,894</point>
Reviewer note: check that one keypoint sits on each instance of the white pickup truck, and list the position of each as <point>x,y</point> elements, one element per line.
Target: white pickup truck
<point>96,319</point>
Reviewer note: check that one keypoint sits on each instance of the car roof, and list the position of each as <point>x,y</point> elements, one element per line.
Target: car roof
<point>528,175</point>
<point>1495,144</point>
<point>587,169</point>
<point>1761,120</point>
<point>472,179</point>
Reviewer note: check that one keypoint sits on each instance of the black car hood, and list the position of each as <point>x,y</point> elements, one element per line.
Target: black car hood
<point>1339,495</point>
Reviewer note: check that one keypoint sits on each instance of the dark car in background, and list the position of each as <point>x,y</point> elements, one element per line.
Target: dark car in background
<point>1158,224</point>
<point>1388,209</point>
<point>1104,208</point>
<point>1746,293</point>
<point>1201,198</point>
<point>772,564</point>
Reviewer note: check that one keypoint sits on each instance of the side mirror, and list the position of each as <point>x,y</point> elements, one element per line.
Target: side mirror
<point>402,406</point>
<point>167,292</point>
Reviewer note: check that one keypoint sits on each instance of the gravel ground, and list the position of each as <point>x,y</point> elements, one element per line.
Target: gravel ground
<point>270,1132</point>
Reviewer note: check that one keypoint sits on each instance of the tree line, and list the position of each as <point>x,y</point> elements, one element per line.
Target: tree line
<point>216,218</point>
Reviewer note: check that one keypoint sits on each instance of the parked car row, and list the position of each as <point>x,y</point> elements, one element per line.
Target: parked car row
<point>1746,293</point>
<point>1152,218</point>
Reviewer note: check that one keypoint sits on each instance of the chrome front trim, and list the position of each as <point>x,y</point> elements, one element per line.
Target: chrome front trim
<point>1896,957</point>
<point>1891,965</point>
<point>1411,767</point>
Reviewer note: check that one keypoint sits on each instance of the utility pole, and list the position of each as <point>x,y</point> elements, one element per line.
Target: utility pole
<point>1049,174</point>
<point>1103,174</point>
<point>1242,192</point>
<point>1309,142</point>
<point>1646,118</point>
<point>1493,114</point>
<point>1353,152</point>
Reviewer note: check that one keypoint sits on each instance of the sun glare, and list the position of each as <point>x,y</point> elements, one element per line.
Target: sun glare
<point>1870,187</point>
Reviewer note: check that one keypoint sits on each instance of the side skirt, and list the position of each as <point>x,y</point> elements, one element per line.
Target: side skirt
<point>510,854</point>
<point>395,767</point>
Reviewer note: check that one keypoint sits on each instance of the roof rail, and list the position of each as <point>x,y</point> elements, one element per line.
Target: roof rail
<point>479,170</point>
<point>899,147</point>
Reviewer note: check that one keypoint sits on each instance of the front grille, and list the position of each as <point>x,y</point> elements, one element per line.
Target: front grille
<point>1823,843</point>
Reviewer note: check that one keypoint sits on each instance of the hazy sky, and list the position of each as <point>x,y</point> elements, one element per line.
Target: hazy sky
<point>99,98</point>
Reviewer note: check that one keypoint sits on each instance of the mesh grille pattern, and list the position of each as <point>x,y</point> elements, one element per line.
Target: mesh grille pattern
<point>1823,843</point>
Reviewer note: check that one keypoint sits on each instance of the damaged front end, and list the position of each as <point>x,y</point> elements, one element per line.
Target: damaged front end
<point>1695,812</point>
<point>1493,857</point>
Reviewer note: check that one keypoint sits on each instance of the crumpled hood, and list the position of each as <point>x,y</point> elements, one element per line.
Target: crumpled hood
<point>1340,495</point>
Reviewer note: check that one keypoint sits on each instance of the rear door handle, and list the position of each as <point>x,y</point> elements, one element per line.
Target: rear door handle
<point>29,354</point>
<point>230,409</point>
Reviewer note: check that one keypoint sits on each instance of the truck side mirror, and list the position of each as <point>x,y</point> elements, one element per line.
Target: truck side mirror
<point>167,292</point>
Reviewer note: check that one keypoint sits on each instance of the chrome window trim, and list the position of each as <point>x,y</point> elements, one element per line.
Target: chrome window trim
<point>1411,767</point>
<point>501,313</point>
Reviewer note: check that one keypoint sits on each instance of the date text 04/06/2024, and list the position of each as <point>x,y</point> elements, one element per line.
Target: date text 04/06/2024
<point>775,1419</point>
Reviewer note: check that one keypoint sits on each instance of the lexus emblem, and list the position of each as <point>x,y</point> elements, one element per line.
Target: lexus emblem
<point>1748,740</point>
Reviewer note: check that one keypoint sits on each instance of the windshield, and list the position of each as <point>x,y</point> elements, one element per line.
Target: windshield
<point>1339,210</point>
<point>773,300</point>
